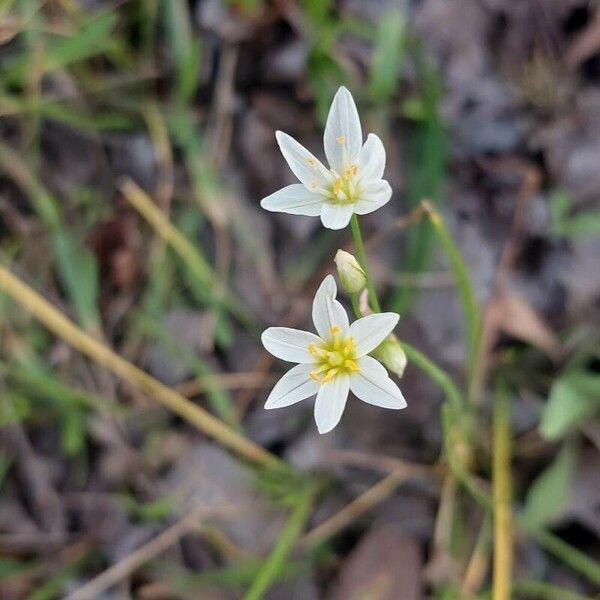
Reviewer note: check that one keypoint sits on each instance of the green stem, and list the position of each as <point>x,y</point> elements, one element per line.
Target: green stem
<point>355,305</point>
<point>571,556</point>
<point>362,260</point>
<point>276,561</point>
<point>543,590</point>
<point>434,372</point>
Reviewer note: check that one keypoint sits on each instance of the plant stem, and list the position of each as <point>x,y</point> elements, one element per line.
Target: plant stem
<point>276,560</point>
<point>503,527</point>
<point>434,372</point>
<point>362,260</point>
<point>569,555</point>
<point>65,329</point>
<point>545,591</point>
<point>356,306</point>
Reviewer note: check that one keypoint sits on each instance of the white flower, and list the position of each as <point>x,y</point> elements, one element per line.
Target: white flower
<point>334,362</point>
<point>352,184</point>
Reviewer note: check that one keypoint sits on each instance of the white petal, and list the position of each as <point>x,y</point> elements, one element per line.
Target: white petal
<point>327,312</point>
<point>343,135</point>
<point>294,386</point>
<point>371,159</point>
<point>330,403</point>
<point>306,167</point>
<point>373,196</point>
<point>294,199</point>
<point>336,216</point>
<point>289,344</point>
<point>372,385</point>
<point>370,331</point>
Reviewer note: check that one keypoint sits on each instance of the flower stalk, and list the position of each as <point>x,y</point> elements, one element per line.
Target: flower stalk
<point>362,260</point>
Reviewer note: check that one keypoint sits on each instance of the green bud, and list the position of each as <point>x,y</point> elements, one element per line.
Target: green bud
<point>390,353</point>
<point>351,274</point>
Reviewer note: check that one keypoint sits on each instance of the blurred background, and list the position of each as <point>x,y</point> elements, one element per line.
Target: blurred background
<point>136,141</point>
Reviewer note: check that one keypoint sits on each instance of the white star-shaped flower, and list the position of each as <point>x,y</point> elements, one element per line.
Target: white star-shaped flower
<point>333,362</point>
<point>352,184</point>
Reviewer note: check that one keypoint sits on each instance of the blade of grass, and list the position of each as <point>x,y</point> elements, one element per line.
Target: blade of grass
<point>76,265</point>
<point>184,249</point>
<point>575,558</point>
<point>90,38</point>
<point>276,561</point>
<point>101,354</point>
<point>503,523</point>
<point>463,280</point>
<point>542,590</point>
<point>185,49</point>
<point>427,159</point>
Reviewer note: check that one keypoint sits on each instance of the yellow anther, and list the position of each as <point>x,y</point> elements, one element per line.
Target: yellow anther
<point>314,375</point>
<point>311,161</point>
<point>337,185</point>
<point>312,349</point>
<point>341,140</point>
<point>349,344</point>
<point>351,365</point>
<point>335,330</point>
<point>330,375</point>
<point>351,171</point>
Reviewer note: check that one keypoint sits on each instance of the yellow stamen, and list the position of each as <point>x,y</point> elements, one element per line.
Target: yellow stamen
<point>351,365</point>
<point>351,171</point>
<point>311,161</point>
<point>335,330</point>
<point>337,185</point>
<point>330,375</point>
<point>312,349</point>
<point>341,140</point>
<point>314,375</point>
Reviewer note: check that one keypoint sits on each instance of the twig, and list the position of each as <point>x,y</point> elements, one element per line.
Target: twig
<point>223,381</point>
<point>383,463</point>
<point>477,568</point>
<point>117,572</point>
<point>508,258</point>
<point>360,505</point>
<point>101,354</point>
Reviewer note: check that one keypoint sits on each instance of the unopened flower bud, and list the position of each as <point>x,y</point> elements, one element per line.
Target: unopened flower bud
<point>390,353</point>
<point>351,274</point>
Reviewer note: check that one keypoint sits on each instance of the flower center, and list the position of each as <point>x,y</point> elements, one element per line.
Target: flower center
<point>345,189</point>
<point>335,357</point>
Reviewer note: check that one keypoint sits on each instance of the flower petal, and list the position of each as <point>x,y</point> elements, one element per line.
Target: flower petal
<point>371,159</point>
<point>294,386</point>
<point>373,196</point>
<point>294,199</point>
<point>372,385</point>
<point>343,135</point>
<point>306,167</point>
<point>330,403</point>
<point>327,312</point>
<point>336,216</point>
<point>370,331</point>
<point>289,344</point>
